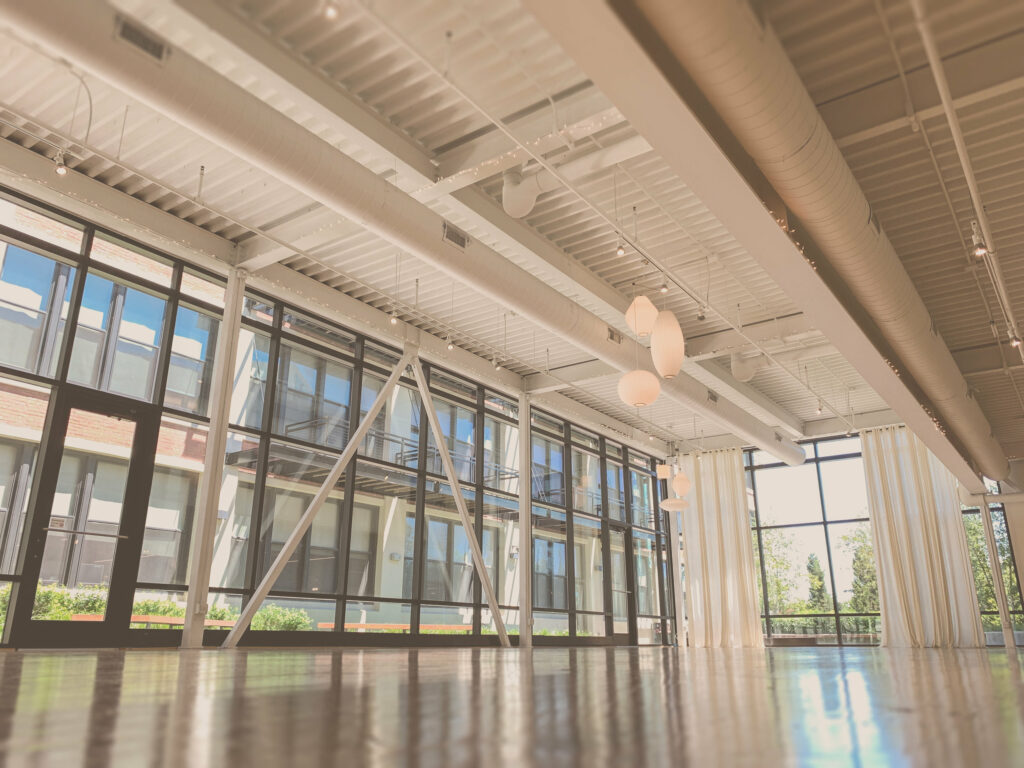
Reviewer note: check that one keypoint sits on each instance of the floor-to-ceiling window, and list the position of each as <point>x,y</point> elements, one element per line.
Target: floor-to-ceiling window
<point>86,310</point>
<point>983,576</point>
<point>812,542</point>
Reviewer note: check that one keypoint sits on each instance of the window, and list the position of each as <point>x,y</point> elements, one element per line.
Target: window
<point>395,434</point>
<point>313,393</point>
<point>813,547</point>
<point>983,581</point>
<point>586,482</point>
<point>549,560</point>
<point>34,295</point>
<point>448,562</point>
<point>190,368</point>
<point>501,455</point>
<point>383,533</point>
<point>458,424</point>
<point>548,475</point>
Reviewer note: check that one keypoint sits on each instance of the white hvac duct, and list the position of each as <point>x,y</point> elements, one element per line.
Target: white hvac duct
<point>520,191</point>
<point>742,69</point>
<point>210,105</point>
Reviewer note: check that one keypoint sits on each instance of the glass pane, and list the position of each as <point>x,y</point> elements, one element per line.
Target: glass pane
<point>983,580</point>
<point>250,378</point>
<point>550,589</point>
<point>257,309</point>
<point>501,455</point>
<point>294,476</point>
<point>642,499</point>
<point>788,495</point>
<point>313,395</point>
<point>853,563</point>
<point>613,449</point>
<point>40,226</point>
<point>117,340</point>
<point>586,482</point>
<point>588,562</point>
<point>583,437</point>
<point>202,288</point>
<point>615,483</point>
<point>501,547</point>
<point>448,563</point>
<point>551,624</point>
<point>861,630</point>
<point>645,559</point>
<point>844,489</point>
<point>318,331</point>
<point>181,450</point>
<point>382,542</point>
<point>395,434</point>
<point>639,460</point>
<point>21,420</point>
<point>590,625</point>
<point>446,382</point>
<point>548,474</point>
<point>31,288</point>
<point>796,568</point>
<point>649,631</point>
<point>161,609</point>
<point>510,618</point>
<point>812,630</point>
<point>496,402</point>
<point>542,421</point>
<point>82,533</point>
<point>380,356</point>
<point>445,620</point>
<point>134,261</point>
<point>458,425</point>
<point>189,374</point>
<point>839,447</point>
<point>386,618</point>
<point>620,588</point>
<point>294,614</point>
<point>234,511</point>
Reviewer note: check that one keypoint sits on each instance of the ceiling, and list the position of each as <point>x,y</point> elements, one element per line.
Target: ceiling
<point>440,97</point>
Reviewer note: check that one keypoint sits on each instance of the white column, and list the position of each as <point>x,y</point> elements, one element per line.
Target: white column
<point>204,527</point>
<point>525,522</point>
<point>675,560</point>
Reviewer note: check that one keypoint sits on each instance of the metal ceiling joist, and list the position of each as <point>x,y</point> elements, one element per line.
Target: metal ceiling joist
<point>634,82</point>
<point>32,174</point>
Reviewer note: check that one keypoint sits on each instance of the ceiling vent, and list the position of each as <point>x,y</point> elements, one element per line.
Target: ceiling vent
<point>139,37</point>
<point>614,336</point>
<point>455,236</point>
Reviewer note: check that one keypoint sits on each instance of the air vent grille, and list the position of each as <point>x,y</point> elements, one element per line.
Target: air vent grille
<point>139,37</point>
<point>614,336</point>
<point>455,236</point>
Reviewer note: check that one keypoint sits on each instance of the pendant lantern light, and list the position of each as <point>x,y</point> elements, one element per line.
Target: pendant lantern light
<point>674,505</point>
<point>641,316</point>
<point>667,345</point>
<point>664,472</point>
<point>681,484</point>
<point>639,388</point>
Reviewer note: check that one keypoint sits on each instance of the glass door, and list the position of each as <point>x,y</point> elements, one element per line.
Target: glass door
<point>623,612</point>
<point>87,520</point>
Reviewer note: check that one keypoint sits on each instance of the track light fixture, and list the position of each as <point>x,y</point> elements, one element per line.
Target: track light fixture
<point>1015,342</point>
<point>450,345</point>
<point>330,11</point>
<point>978,247</point>
<point>621,250</point>
<point>393,318</point>
<point>497,365</point>
<point>58,164</point>
<point>664,288</point>
<point>819,408</point>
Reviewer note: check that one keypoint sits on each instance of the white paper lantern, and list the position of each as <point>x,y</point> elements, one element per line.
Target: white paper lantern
<point>641,316</point>
<point>664,471</point>
<point>639,388</point>
<point>674,505</point>
<point>681,484</point>
<point>667,345</point>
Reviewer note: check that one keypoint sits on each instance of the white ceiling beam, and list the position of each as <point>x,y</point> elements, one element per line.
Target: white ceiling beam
<point>635,83</point>
<point>723,382</point>
<point>833,426</point>
<point>568,375</point>
<point>32,174</point>
<point>975,75</point>
<point>719,343</point>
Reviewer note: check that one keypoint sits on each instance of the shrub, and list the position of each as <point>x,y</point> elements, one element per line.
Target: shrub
<point>273,617</point>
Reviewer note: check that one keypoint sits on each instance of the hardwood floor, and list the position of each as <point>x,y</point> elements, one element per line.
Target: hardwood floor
<point>484,707</point>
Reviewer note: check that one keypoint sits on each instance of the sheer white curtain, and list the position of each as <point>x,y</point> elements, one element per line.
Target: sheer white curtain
<point>925,584</point>
<point>721,591</point>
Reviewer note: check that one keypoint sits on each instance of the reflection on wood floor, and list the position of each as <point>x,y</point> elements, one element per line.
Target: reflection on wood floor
<point>548,707</point>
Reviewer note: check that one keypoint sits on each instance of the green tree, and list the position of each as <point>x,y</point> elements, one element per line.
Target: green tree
<point>780,574</point>
<point>818,598</point>
<point>865,576</point>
